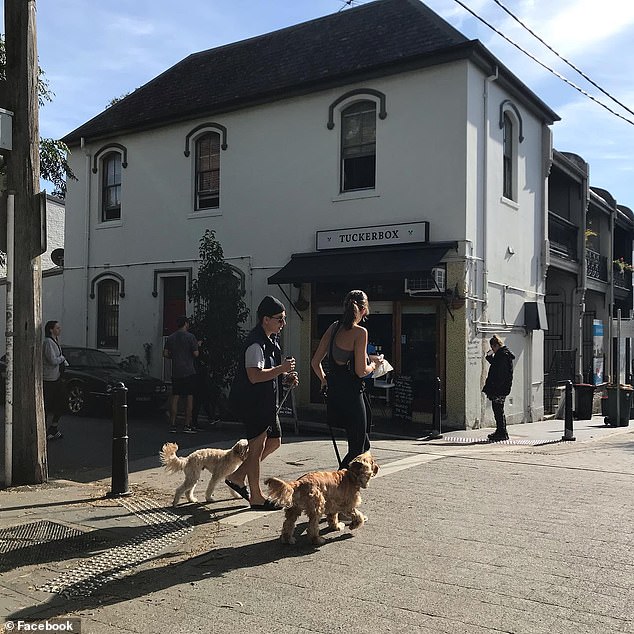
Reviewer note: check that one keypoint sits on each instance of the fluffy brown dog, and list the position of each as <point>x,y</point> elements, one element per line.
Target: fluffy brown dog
<point>220,462</point>
<point>323,493</point>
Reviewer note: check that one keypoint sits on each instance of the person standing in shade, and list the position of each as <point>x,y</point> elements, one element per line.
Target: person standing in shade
<point>498,384</point>
<point>255,396</point>
<point>346,342</point>
<point>182,348</point>
<point>53,362</point>
<point>206,394</point>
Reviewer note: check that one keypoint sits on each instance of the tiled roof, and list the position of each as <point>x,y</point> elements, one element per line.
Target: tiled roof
<point>344,46</point>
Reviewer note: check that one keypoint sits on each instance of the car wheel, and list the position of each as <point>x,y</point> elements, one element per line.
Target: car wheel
<point>76,399</point>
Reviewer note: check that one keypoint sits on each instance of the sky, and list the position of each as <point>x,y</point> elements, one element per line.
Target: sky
<point>92,52</point>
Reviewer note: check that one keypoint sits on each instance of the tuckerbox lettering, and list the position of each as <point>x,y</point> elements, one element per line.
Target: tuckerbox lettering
<point>382,235</point>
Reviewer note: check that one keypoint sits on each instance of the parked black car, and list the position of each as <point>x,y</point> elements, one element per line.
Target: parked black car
<point>90,374</point>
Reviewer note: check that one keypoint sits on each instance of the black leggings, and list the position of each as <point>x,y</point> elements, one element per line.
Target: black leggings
<point>497,404</point>
<point>349,407</point>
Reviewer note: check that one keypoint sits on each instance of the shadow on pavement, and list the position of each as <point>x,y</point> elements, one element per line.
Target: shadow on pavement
<point>85,453</point>
<point>215,563</point>
<point>40,542</point>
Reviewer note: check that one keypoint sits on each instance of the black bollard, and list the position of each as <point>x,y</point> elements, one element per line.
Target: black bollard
<point>119,396</point>
<point>568,434</point>
<point>436,417</point>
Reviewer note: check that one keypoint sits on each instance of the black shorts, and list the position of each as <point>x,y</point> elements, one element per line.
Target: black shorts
<point>255,424</point>
<point>185,385</point>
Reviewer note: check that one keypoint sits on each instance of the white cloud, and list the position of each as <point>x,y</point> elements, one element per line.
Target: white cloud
<point>582,24</point>
<point>124,25</point>
<point>602,140</point>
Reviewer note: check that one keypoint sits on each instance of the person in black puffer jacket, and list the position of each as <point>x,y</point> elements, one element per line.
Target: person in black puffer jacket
<point>498,384</point>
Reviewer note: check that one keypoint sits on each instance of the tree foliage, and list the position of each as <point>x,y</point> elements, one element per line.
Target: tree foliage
<point>219,312</point>
<point>54,165</point>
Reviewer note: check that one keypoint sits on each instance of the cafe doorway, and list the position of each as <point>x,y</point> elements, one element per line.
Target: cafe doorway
<point>419,354</point>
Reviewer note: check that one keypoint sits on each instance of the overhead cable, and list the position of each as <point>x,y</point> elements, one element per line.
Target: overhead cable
<point>561,57</point>
<point>543,65</point>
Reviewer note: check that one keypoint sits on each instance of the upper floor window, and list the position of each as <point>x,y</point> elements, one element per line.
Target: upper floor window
<point>208,171</point>
<point>511,125</point>
<point>508,158</point>
<point>358,146</point>
<point>108,314</point>
<point>111,187</point>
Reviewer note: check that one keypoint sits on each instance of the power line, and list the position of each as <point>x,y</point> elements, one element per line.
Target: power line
<point>561,57</point>
<point>346,3</point>
<point>546,67</point>
<point>349,3</point>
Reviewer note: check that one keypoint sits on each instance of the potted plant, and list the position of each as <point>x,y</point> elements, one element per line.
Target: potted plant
<point>621,266</point>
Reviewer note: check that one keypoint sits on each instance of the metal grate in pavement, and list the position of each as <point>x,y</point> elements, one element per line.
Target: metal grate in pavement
<point>164,529</point>
<point>512,441</point>
<point>41,541</point>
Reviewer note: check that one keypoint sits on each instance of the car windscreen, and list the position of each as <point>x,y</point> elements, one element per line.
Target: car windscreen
<point>82,358</point>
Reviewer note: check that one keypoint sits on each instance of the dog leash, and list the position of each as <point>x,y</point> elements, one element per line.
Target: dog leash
<point>279,407</point>
<point>324,393</point>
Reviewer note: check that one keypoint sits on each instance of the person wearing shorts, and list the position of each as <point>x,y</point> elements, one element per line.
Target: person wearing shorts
<point>182,348</point>
<point>255,392</point>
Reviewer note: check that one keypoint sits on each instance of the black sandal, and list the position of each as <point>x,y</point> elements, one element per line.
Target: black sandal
<point>240,490</point>
<point>267,505</point>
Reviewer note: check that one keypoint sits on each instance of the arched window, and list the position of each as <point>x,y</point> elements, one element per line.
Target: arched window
<point>111,187</point>
<point>108,314</point>
<point>208,171</point>
<point>358,146</point>
<point>512,126</point>
<point>508,144</point>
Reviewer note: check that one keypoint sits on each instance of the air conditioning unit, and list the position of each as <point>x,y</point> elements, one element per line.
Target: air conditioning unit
<point>432,283</point>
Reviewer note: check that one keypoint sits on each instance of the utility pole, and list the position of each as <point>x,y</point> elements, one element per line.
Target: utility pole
<point>23,178</point>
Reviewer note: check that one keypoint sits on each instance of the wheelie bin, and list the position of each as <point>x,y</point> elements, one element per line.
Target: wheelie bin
<point>584,393</point>
<point>625,393</point>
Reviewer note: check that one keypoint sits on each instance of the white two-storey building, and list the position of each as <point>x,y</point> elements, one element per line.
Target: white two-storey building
<point>374,148</point>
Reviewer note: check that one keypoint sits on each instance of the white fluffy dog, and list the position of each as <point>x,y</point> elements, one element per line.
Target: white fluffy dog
<point>220,462</point>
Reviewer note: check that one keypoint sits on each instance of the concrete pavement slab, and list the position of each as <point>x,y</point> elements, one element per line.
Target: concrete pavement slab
<point>473,538</point>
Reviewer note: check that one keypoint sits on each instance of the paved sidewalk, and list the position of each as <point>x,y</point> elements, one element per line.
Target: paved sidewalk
<point>133,563</point>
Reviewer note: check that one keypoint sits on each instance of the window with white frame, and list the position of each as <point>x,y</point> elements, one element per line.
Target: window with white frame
<point>208,171</point>
<point>108,314</point>
<point>111,187</point>
<point>358,146</point>
<point>509,153</point>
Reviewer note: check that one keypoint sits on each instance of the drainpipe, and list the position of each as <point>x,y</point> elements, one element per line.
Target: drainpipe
<point>86,240</point>
<point>610,268</point>
<point>482,313</point>
<point>583,281</point>
<point>485,191</point>
<point>8,408</point>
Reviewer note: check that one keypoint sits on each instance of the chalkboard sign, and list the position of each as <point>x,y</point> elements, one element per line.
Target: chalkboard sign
<point>402,398</point>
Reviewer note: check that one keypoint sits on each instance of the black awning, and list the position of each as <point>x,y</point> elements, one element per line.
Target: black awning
<point>362,264</point>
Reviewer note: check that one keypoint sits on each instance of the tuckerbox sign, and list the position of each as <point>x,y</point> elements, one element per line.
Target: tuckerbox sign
<point>380,235</point>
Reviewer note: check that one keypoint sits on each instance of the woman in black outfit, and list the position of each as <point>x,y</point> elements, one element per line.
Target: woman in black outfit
<point>498,384</point>
<point>345,342</point>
